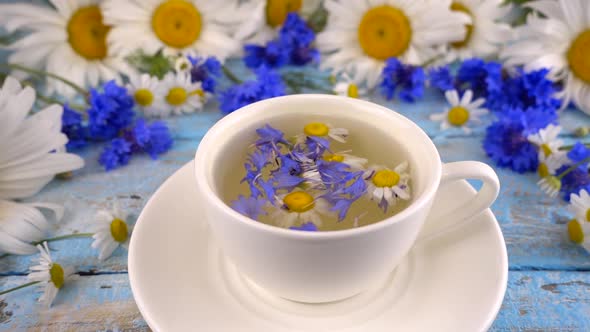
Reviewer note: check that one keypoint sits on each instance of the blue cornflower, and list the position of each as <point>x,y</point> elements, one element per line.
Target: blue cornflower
<point>480,77</point>
<point>308,226</point>
<point>507,144</point>
<point>205,71</point>
<point>579,152</point>
<point>525,90</point>
<point>251,207</point>
<point>297,37</point>
<point>110,111</point>
<point>316,146</point>
<point>407,78</point>
<point>268,84</point>
<point>116,154</point>
<point>270,137</point>
<point>154,139</point>
<point>72,127</point>
<point>273,55</point>
<point>441,78</point>
<point>575,181</point>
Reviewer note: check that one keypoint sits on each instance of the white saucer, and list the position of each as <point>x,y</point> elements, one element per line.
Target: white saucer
<point>182,282</point>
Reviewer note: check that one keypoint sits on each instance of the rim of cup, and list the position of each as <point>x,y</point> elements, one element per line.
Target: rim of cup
<point>222,127</point>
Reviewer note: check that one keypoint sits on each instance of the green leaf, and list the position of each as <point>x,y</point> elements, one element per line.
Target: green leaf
<point>156,65</point>
<point>318,19</point>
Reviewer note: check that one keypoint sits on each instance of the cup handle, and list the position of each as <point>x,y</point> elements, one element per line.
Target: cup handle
<point>481,201</point>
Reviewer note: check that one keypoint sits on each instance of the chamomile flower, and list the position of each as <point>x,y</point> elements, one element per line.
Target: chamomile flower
<point>580,205</point>
<point>579,232</point>
<point>361,35</point>
<point>299,207</point>
<point>355,163</point>
<point>182,64</point>
<point>345,86</point>
<point>558,39</point>
<point>485,34</point>
<point>181,95</point>
<point>547,141</point>
<point>23,223</point>
<point>148,93</point>
<point>461,112</point>
<point>548,165</point>
<point>174,26</point>
<point>324,130</point>
<point>386,186</point>
<point>51,274</point>
<point>550,185</point>
<point>111,231</point>
<point>68,39</point>
<point>262,18</point>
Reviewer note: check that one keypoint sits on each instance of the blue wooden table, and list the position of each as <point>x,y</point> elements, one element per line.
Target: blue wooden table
<point>548,287</point>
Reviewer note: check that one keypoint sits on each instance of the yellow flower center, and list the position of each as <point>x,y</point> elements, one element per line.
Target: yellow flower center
<point>177,23</point>
<point>458,116</point>
<point>299,202</point>
<point>87,34</point>
<point>119,230</point>
<point>198,92</point>
<point>176,96</point>
<point>578,56</point>
<point>459,7</point>
<point>353,91</point>
<point>316,129</point>
<point>277,10</point>
<point>385,178</point>
<point>588,215</point>
<point>574,229</point>
<point>546,150</point>
<point>56,274</point>
<point>543,170</point>
<point>143,97</point>
<point>384,32</point>
<point>334,157</point>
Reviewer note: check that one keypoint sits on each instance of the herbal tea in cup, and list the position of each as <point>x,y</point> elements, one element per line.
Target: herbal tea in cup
<point>315,180</point>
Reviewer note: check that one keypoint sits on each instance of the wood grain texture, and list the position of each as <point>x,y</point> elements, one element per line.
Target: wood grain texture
<point>548,288</point>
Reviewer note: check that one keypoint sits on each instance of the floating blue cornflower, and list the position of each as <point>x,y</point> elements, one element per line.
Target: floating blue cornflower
<point>405,80</point>
<point>249,206</point>
<point>308,226</point>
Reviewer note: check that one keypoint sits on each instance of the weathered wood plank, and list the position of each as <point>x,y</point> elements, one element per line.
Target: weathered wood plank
<point>535,301</point>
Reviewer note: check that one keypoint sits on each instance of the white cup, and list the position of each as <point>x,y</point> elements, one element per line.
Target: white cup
<point>317,267</point>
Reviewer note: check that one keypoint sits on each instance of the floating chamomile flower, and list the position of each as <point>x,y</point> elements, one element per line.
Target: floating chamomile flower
<point>300,207</point>
<point>147,91</point>
<point>324,130</point>
<point>52,274</point>
<point>111,231</point>
<point>175,26</point>
<point>262,18</point>
<point>579,232</point>
<point>461,112</point>
<point>558,39</point>
<point>355,163</point>
<point>547,141</point>
<point>580,205</point>
<point>485,34</point>
<point>386,186</point>
<point>361,35</point>
<point>347,87</point>
<point>181,95</point>
<point>68,39</point>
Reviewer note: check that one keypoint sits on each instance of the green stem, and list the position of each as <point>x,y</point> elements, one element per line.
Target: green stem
<point>569,147</point>
<point>19,287</point>
<point>64,237</point>
<point>231,75</point>
<point>49,100</point>
<point>44,73</point>
<point>572,167</point>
